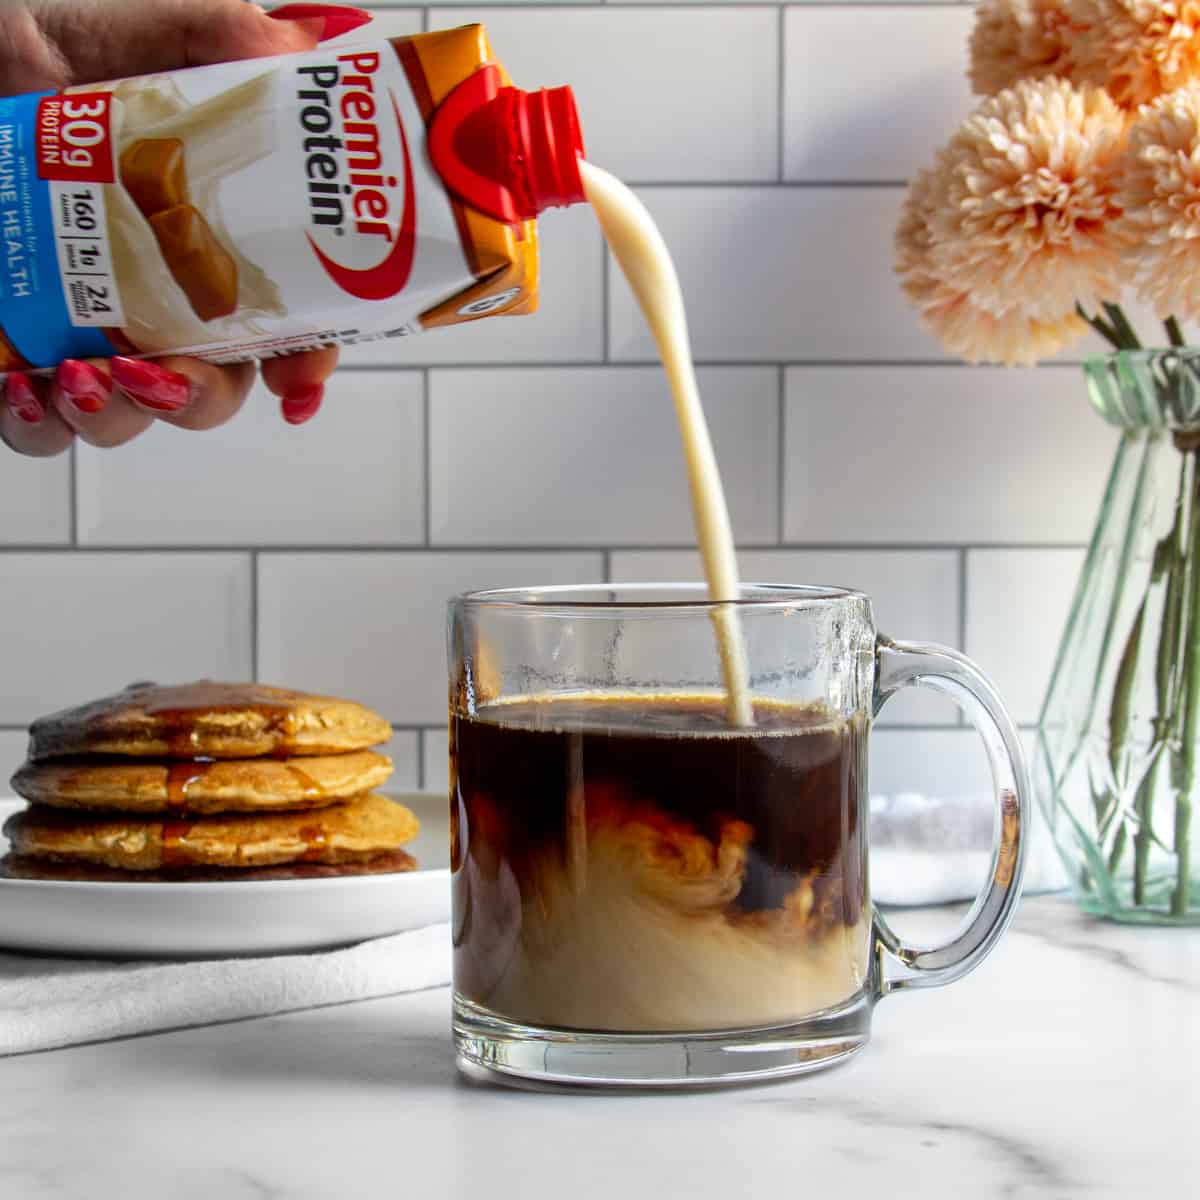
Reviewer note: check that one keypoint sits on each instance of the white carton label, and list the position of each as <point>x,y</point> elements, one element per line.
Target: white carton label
<point>309,173</point>
<point>84,255</point>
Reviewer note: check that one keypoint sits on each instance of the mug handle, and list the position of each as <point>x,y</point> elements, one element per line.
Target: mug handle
<point>912,664</point>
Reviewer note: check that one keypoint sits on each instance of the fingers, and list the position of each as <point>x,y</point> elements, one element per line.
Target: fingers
<point>109,403</point>
<point>231,29</point>
<point>283,375</point>
<point>27,423</point>
<point>299,380</point>
<point>84,397</point>
<point>183,391</point>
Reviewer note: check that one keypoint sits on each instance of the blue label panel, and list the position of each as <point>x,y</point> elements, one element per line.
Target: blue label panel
<point>33,310</point>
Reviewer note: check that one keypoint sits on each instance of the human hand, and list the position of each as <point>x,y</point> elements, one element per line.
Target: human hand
<point>51,44</point>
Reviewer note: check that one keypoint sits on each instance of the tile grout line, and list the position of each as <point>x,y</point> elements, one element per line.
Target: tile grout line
<point>420,758</point>
<point>73,494</point>
<point>748,364</point>
<point>771,183</point>
<point>254,667</point>
<point>962,599</point>
<point>605,295</point>
<point>427,454</point>
<point>781,457</point>
<point>962,615</point>
<point>493,548</point>
<point>681,5</point>
<point>780,90</point>
<point>606,565</point>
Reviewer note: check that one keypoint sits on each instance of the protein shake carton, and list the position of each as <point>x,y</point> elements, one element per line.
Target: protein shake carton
<point>258,208</point>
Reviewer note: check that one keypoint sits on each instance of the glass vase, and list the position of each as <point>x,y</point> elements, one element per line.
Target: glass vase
<point>1116,762</point>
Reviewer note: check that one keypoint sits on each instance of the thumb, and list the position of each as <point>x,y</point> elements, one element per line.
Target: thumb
<point>252,32</point>
<point>94,40</point>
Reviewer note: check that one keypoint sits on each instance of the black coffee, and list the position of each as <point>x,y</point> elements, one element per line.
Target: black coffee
<point>632,863</point>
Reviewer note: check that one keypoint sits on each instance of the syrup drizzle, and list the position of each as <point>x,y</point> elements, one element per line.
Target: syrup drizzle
<point>310,788</point>
<point>180,778</point>
<point>173,834</point>
<point>317,842</point>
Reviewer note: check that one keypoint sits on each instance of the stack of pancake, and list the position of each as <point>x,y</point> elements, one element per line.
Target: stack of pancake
<point>207,781</point>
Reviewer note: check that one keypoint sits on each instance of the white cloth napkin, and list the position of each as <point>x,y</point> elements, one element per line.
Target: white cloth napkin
<point>51,1002</point>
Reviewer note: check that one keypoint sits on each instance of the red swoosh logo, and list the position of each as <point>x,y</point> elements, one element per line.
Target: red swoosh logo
<point>388,277</point>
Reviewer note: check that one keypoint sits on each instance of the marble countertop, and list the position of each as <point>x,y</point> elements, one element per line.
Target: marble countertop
<point>1067,1066</point>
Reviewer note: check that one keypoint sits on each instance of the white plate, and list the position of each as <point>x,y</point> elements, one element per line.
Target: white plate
<point>205,920</point>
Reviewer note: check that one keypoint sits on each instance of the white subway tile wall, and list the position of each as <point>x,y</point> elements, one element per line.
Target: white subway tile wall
<point>662,98</point>
<point>617,471</point>
<point>846,67</point>
<point>35,501</point>
<point>75,625</point>
<point>405,752</point>
<point>779,273</point>
<point>940,454</point>
<point>372,626</point>
<point>355,477</point>
<point>772,144</point>
<point>1005,588</point>
<point>12,755</point>
<point>395,21</point>
<point>435,748</point>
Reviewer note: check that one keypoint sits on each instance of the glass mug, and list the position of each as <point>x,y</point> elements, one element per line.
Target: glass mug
<point>644,895</point>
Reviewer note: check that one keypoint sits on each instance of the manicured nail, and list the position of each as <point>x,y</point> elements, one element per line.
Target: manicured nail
<point>300,405</point>
<point>150,385</point>
<point>335,19</point>
<point>22,399</point>
<point>86,387</point>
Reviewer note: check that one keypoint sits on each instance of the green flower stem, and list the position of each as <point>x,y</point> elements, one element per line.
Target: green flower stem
<point>1174,333</point>
<point>1118,850</point>
<point>1143,837</point>
<point>1120,322</point>
<point>1106,331</point>
<point>1180,897</point>
<point>1169,564</point>
<point>1120,710</point>
<point>1108,806</point>
<point>1117,330</point>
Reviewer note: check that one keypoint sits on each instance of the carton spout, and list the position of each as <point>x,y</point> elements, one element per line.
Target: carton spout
<point>508,153</point>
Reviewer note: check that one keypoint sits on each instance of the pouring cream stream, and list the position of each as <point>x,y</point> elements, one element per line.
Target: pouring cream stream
<point>643,257</point>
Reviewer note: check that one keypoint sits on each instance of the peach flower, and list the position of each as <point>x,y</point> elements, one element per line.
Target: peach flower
<point>1135,49</point>
<point>963,328</point>
<point>1161,197</point>
<point>1018,39</point>
<point>1023,200</point>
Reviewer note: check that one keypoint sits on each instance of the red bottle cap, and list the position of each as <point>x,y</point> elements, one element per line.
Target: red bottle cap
<point>506,152</point>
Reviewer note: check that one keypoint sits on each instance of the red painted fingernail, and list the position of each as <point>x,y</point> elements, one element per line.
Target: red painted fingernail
<point>335,19</point>
<point>150,385</point>
<point>22,399</point>
<point>302,404</point>
<point>86,387</point>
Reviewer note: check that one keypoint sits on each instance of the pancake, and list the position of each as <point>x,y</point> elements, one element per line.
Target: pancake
<point>227,785</point>
<point>17,866</point>
<point>356,831</point>
<point>207,720</point>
